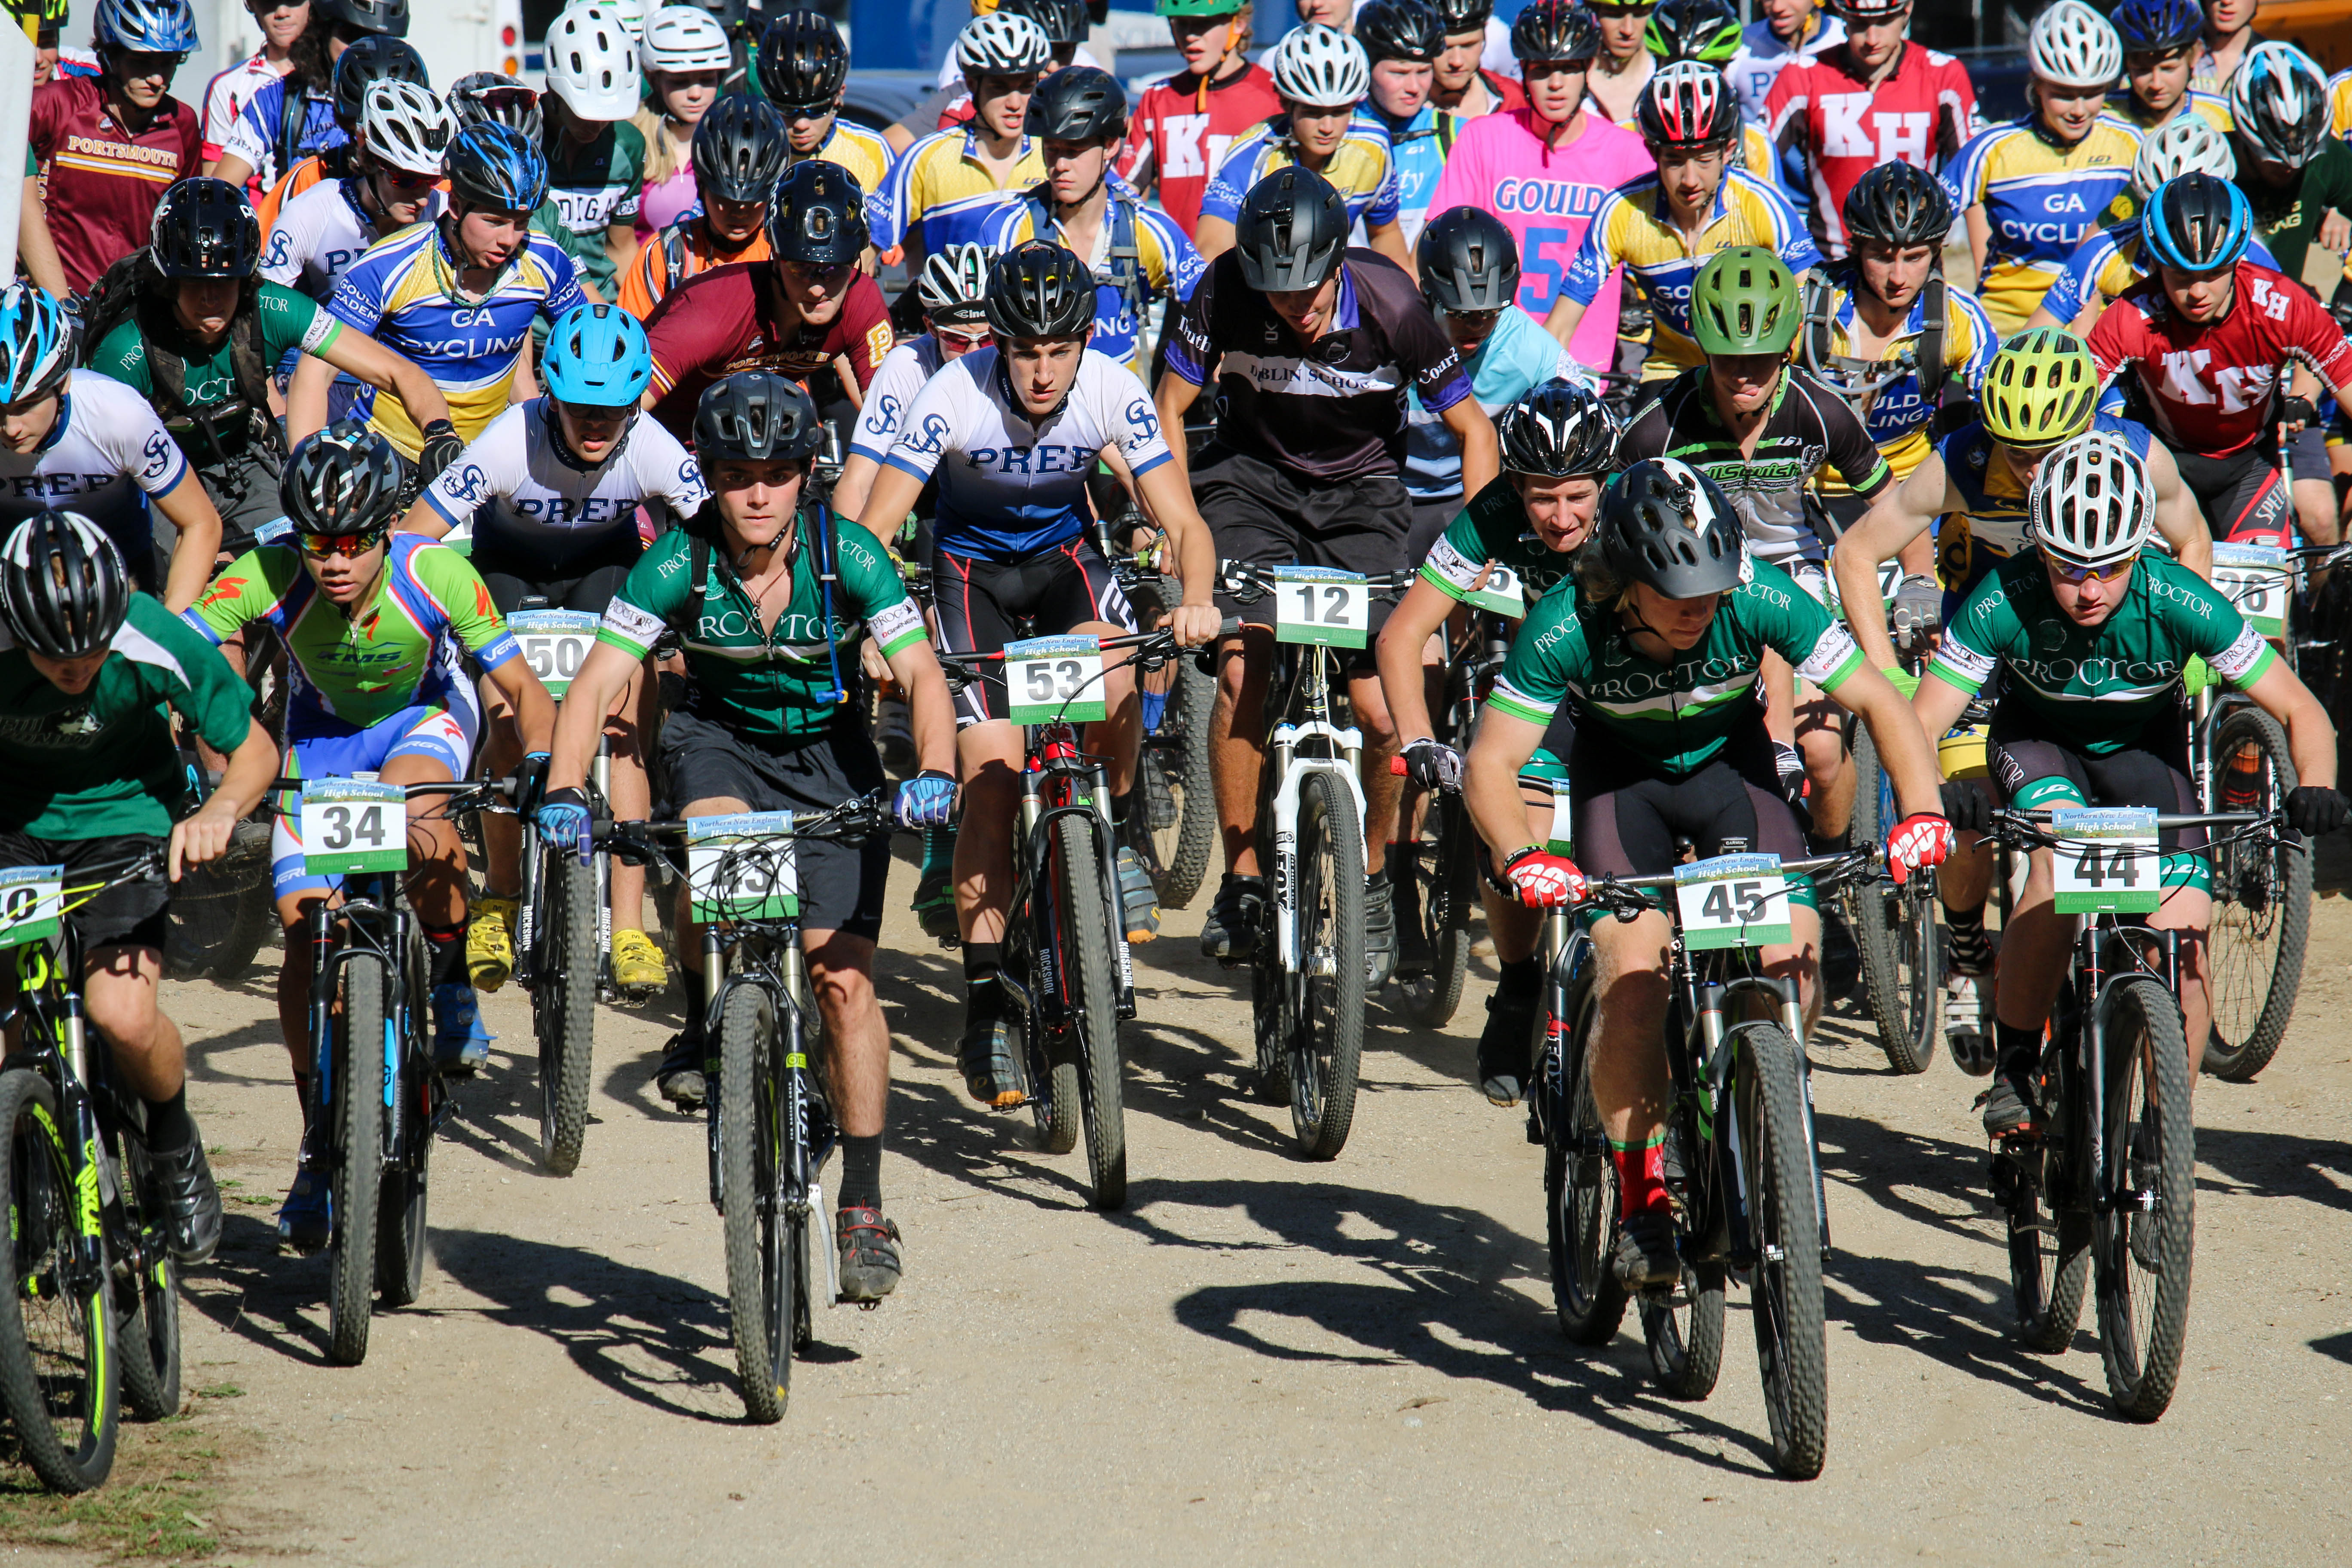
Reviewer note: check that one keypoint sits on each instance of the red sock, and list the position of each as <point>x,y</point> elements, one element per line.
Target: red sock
<point>1641,1175</point>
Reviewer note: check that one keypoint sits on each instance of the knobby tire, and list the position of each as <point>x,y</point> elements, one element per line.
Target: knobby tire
<point>60,1384</point>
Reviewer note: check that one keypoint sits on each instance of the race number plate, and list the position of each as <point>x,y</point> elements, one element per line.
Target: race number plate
<point>1501,593</point>
<point>1733,901</point>
<point>2258,580</point>
<point>1890,582</point>
<point>554,643</point>
<point>1051,678</point>
<point>353,826</point>
<point>2107,861</point>
<point>29,897</point>
<point>1317,604</point>
<point>740,869</point>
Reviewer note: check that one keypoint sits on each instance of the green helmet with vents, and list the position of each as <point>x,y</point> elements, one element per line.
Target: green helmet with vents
<point>1743,302</point>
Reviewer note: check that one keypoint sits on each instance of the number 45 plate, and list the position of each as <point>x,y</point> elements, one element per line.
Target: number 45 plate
<point>1317,605</point>
<point>1052,678</point>
<point>2107,861</point>
<point>1733,901</point>
<point>353,826</point>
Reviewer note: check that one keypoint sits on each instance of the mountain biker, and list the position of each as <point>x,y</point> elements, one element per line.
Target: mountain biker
<point>1065,23</point>
<point>289,44</point>
<point>942,188</point>
<point>394,179</point>
<point>1545,168</point>
<point>1467,86</point>
<point>1321,76</point>
<point>595,158</point>
<point>374,624</point>
<point>88,669</point>
<point>109,145</point>
<point>1873,100</point>
<point>1787,33</point>
<point>77,437</point>
<point>953,292</point>
<point>1661,228</point>
<point>2297,174</point>
<point>1624,68</point>
<point>1558,446</point>
<point>1011,434</point>
<point>1183,126</point>
<point>741,149</point>
<point>552,490</point>
<point>203,333</point>
<point>1707,32</point>
<point>2093,630</point>
<point>765,728</point>
<point>1402,40</point>
<point>367,62</point>
<point>282,148</point>
<point>2159,39</point>
<point>458,296</point>
<point>684,54</point>
<point>1306,339</point>
<point>2032,188</point>
<point>803,69</point>
<point>2230,37</point>
<point>1676,614</point>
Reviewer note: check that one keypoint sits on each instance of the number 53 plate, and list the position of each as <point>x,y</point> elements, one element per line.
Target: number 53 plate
<point>1051,678</point>
<point>1733,901</point>
<point>2108,861</point>
<point>1317,604</point>
<point>352,827</point>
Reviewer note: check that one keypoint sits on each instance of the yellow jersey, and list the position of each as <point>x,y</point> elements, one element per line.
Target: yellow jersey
<point>940,194</point>
<point>1896,416</point>
<point>1362,169</point>
<point>2040,202</point>
<point>861,151</point>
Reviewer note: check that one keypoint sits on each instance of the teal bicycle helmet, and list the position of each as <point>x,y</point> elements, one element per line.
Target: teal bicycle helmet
<point>597,357</point>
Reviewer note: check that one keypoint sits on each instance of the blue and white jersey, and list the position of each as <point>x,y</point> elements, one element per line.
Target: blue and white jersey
<point>1419,146</point>
<point>1517,356</point>
<point>254,137</point>
<point>1168,266</point>
<point>524,491</point>
<point>105,455</point>
<point>897,381</point>
<point>319,234</point>
<point>1011,487</point>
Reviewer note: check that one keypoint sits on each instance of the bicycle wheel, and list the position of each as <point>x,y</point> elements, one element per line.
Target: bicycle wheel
<point>147,1331</point>
<point>1785,1227</point>
<point>1178,802</point>
<point>356,1110</point>
<point>1684,1331</point>
<point>1326,1039</point>
<point>1896,931</point>
<point>563,1008</point>
<point>1092,988</point>
<point>1048,1049</point>
<point>1580,1185</point>
<point>1438,883</point>
<point>2142,1241</point>
<point>2262,903</point>
<point>402,1204</point>
<point>763,1244</point>
<point>2049,1252</point>
<point>58,1377</point>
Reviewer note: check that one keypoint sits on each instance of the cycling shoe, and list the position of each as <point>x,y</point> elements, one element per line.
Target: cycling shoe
<point>934,904</point>
<point>2012,1107</point>
<point>638,966</point>
<point>1645,1258</point>
<point>192,1201</point>
<point>870,1260</point>
<point>1841,957</point>
<point>460,1044</point>
<point>679,1078</point>
<point>490,943</point>
<point>1504,1046</point>
<point>306,1220</point>
<point>1234,918</point>
<point>990,1073</point>
<point>1138,897</point>
<point>1379,932</point>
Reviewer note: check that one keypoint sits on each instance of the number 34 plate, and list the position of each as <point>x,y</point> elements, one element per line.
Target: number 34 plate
<point>353,826</point>
<point>1733,901</point>
<point>2107,860</point>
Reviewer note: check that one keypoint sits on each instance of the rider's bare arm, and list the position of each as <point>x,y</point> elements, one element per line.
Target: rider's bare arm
<point>1169,499</point>
<point>1490,779</point>
<point>1212,236</point>
<point>930,712</point>
<point>1482,453</point>
<point>1171,400</point>
<point>2177,517</point>
<point>1903,748</point>
<point>37,251</point>
<point>356,353</point>
<point>1979,238</point>
<point>579,720</point>
<point>1902,514</point>
<point>2310,738</point>
<point>1389,240</point>
<point>856,483</point>
<point>305,399</point>
<point>1561,321</point>
<point>187,507</point>
<point>1422,611</point>
<point>886,505</point>
<point>206,835</point>
<point>534,708</point>
<point>1937,705</point>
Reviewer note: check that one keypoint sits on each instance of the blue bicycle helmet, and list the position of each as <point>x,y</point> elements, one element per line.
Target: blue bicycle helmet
<point>489,165</point>
<point>37,343</point>
<point>146,26</point>
<point>2157,27</point>
<point>2196,222</point>
<point>597,357</point>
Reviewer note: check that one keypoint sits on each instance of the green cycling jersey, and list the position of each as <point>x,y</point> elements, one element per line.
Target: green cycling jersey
<point>1494,529</point>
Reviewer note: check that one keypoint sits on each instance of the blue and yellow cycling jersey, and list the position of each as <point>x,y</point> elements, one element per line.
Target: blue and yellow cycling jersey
<point>1756,154</point>
<point>1165,265</point>
<point>1897,417</point>
<point>2339,104</point>
<point>1362,170</point>
<point>2040,200</point>
<point>1990,526</point>
<point>2211,107</point>
<point>2106,264</point>
<point>403,293</point>
<point>861,151</point>
<point>1634,229</point>
<point>940,194</point>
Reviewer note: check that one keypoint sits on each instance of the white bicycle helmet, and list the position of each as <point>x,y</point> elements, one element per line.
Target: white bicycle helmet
<point>2279,99</point>
<point>2073,45</point>
<point>2091,504</point>
<point>1321,66</point>
<point>403,126</point>
<point>592,62</point>
<point>684,38</point>
<point>1001,44</point>
<point>954,284</point>
<point>2184,144</point>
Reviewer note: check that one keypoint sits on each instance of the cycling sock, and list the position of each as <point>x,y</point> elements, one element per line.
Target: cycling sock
<point>1641,1175</point>
<point>1120,804</point>
<point>939,851</point>
<point>982,997</point>
<point>1520,979</point>
<point>1971,951</point>
<point>2014,1044</point>
<point>861,1172</point>
<point>169,1129</point>
<point>445,948</point>
<point>1378,882</point>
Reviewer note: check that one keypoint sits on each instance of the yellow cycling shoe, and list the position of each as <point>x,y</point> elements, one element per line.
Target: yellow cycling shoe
<point>490,943</point>
<point>637,964</point>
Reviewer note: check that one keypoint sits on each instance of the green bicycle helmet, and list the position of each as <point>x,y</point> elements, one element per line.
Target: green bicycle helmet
<point>1743,302</point>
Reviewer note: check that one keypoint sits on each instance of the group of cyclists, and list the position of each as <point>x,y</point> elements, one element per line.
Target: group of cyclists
<point>1642,307</point>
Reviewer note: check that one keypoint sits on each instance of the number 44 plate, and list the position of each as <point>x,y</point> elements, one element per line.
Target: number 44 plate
<point>1733,901</point>
<point>1048,679</point>
<point>2107,860</point>
<point>352,827</point>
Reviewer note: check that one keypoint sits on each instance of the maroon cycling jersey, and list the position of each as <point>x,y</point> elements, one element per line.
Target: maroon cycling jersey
<point>717,322</point>
<point>1332,409</point>
<point>2209,384</point>
<point>99,182</point>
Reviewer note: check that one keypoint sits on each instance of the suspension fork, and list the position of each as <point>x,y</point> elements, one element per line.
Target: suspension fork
<point>1107,869</point>
<point>92,1182</point>
<point>600,772</point>
<point>713,976</point>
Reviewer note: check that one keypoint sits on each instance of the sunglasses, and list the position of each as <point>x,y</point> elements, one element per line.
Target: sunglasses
<point>949,337</point>
<point>1474,319</point>
<point>822,274</point>
<point>406,180</point>
<point>351,546</point>
<point>2078,575</point>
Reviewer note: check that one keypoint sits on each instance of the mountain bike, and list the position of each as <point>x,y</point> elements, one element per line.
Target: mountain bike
<point>2108,1186</point>
<point>1741,1167</point>
<point>1894,928</point>
<point>1174,830</point>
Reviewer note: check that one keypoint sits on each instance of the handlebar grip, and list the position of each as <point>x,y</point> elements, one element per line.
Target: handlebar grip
<point>1230,626</point>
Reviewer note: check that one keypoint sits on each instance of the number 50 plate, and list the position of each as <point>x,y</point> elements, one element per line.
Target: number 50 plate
<point>1733,901</point>
<point>554,643</point>
<point>353,826</point>
<point>2107,861</point>
<point>1317,604</point>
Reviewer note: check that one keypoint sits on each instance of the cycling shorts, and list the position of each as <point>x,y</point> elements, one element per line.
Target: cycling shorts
<point>2241,494</point>
<point>1430,519</point>
<point>1628,816</point>
<point>1263,515</point>
<point>1551,759</point>
<point>2034,772</point>
<point>983,604</point>
<point>447,735</point>
<point>585,580</point>
<point>128,916</point>
<point>841,884</point>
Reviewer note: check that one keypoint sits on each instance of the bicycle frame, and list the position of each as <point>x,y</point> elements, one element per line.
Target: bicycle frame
<point>1296,748</point>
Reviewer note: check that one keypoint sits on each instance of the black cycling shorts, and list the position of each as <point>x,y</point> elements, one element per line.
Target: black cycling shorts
<point>841,884</point>
<point>1262,514</point>
<point>2153,770</point>
<point>129,916</point>
<point>576,580</point>
<point>2241,494</point>
<point>1430,519</point>
<point>1628,815</point>
<point>983,604</point>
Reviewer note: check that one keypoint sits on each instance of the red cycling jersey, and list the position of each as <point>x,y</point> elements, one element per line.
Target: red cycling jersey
<point>2209,385</point>
<point>99,180</point>
<point>1182,129</point>
<point>1845,127</point>
<point>717,322</point>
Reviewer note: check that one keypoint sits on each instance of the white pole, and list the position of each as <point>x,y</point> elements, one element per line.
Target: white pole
<point>16,125</point>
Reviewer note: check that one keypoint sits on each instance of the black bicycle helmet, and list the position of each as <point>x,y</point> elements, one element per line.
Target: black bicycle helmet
<point>385,16</point>
<point>205,228</point>
<point>1554,30</point>
<point>345,479</point>
<point>1900,204</point>
<point>1064,21</point>
<point>1076,103</point>
<point>1400,30</point>
<point>1463,15</point>
<point>755,417</point>
<point>1039,290</point>
<point>373,59</point>
<point>1469,260</point>
<point>1669,527</point>
<point>63,589</point>
<point>1291,232</point>
<point>1559,428</point>
<point>817,216</point>
<point>803,62</point>
<point>741,148</point>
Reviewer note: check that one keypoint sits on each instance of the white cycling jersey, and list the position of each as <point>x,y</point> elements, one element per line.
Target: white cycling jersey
<point>106,456</point>
<point>1010,488</point>
<point>901,376</point>
<point>319,234</point>
<point>526,495</point>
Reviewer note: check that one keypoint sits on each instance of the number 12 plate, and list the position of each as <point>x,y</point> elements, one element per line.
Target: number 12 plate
<point>1733,901</point>
<point>2107,861</point>
<point>764,885</point>
<point>554,644</point>
<point>1317,604</point>
<point>1051,678</point>
<point>352,826</point>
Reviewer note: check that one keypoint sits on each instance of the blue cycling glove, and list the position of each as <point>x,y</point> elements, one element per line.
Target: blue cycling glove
<point>531,783</point>
<point>927,799</point>
<point>564,816</point>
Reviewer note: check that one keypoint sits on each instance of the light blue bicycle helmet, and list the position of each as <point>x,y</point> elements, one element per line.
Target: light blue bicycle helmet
<point>491,166</point>
<point>146,26</point>
<point>597,357</point>
<point>2197,222</point>
<point>37,343</point>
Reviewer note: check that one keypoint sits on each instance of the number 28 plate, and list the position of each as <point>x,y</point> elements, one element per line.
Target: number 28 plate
<point>352,827</point>
<point>1317,604</point>
<point>739,870</point>
<point>1733,901</point>
<point>2107,860</point>
<point>1052,678</point>
<point>554,643</point>
<point>2257,580</point>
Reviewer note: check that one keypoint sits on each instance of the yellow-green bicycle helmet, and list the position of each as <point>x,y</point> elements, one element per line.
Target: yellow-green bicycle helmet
<point>2040,389</point>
